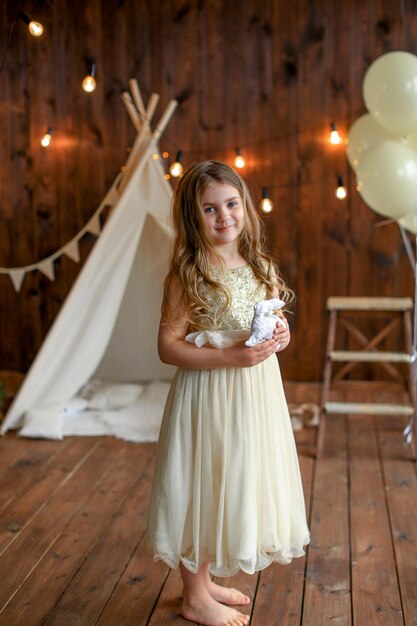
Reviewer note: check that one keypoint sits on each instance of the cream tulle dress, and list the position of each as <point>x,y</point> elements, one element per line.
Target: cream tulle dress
<point>227,486</point>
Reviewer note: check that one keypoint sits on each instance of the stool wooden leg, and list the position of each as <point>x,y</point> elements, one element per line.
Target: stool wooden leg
<point>327,376</point>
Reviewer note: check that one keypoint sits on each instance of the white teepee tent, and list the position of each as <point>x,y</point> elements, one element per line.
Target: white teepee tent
<point>107,326</point>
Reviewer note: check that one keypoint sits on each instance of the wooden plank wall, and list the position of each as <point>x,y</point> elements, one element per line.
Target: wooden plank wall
<point>268,76</point>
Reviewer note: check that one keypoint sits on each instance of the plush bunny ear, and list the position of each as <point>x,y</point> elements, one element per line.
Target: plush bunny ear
<point>277,303</point>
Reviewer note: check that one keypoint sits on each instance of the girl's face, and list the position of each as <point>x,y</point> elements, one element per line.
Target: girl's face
<point>223,213</point>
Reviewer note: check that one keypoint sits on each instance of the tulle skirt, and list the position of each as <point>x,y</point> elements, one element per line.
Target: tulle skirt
<point>227,488</point>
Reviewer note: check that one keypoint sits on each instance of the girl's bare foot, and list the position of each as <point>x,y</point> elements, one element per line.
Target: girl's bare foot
<point>226,595</point>
<point>206,611</point>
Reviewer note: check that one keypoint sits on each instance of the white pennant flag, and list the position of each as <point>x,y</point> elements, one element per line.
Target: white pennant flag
<point>72,251</point>
<point>112,195</point>
<point>93,225</point>
<point>17,277</point>
<point>47,268</point>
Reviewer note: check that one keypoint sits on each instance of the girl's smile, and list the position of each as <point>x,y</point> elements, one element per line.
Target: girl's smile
<point>223,213</point>
<point>225,226</point>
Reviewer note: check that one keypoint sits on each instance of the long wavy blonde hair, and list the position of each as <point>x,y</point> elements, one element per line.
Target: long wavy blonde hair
<point>193,252</point>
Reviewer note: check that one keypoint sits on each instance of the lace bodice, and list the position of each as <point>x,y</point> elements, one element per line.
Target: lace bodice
<point>244,290</point>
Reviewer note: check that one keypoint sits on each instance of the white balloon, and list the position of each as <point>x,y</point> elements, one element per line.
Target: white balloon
<point>411,140</point>
<point>365,133</point>
<point>390,91</point>
<point>410,222</point>
<point>387,179</point>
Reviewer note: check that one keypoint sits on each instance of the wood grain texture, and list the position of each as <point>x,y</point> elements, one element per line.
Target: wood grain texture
<point>268,77</point>
<point>327,598</point>
<point>39,594</point>
<point>375,594</point>
<point>79,554</point>
<point>400,480</point>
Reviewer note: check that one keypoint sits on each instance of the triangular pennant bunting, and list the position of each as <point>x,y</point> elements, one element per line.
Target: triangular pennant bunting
<point>47,268</point>
<point>112,195</point>
<point>17,277</point>
<point>94,226</point>
<point>72,251</point>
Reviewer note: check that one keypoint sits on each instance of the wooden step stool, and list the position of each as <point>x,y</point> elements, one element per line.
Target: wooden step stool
<point>397,310</point>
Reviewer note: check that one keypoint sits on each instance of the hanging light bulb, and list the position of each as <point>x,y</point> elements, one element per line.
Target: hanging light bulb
<point>266,204</point>
<point>35,28</point>
<point>176,168</point>
<point>165,154</point>
<point>341,191</point>
<point>334,136</point>
<point>155,156</point>
<point>239,160</point>
<point>89,83</point>
<point>46,139</point>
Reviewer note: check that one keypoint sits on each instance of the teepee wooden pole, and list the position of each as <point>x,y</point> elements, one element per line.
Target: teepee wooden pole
<point>152,104</point>
<point>133,114</point>
<point>163,122</point>
<point>137,96</point>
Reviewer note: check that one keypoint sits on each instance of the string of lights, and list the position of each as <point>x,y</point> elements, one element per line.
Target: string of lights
<point>266,205</point>
<point>334,138</point>
<point>176,168</point>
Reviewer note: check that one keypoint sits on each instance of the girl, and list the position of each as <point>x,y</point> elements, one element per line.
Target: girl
<point>227,493</point>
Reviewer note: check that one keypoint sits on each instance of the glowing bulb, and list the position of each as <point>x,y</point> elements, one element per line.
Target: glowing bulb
<point>155,156</point>
<point>165,154</point>
<point>239,160</point>
<point>340,192</point>
<point>266,205</point>
<point>334,136</point>
<point>35,28</point>
<point>46,139</point>
<point>176,168</point>
<point>167,176</point>
<point>89,83</point>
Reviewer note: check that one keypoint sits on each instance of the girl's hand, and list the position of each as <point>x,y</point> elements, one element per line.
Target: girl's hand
<point>282,334</point>
<point>239,355</point>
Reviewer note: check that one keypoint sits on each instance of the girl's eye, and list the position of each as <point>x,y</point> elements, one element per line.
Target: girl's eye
<point>209,209</point>
<point>232,204</point>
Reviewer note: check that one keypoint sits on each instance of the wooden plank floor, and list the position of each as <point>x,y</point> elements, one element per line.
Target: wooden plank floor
<point>73,516</point>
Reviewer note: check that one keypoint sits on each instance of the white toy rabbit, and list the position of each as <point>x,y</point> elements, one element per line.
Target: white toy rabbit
<point>264,321</point>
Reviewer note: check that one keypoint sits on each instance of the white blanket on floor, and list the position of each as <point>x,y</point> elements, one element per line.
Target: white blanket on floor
<point>127,411</point>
